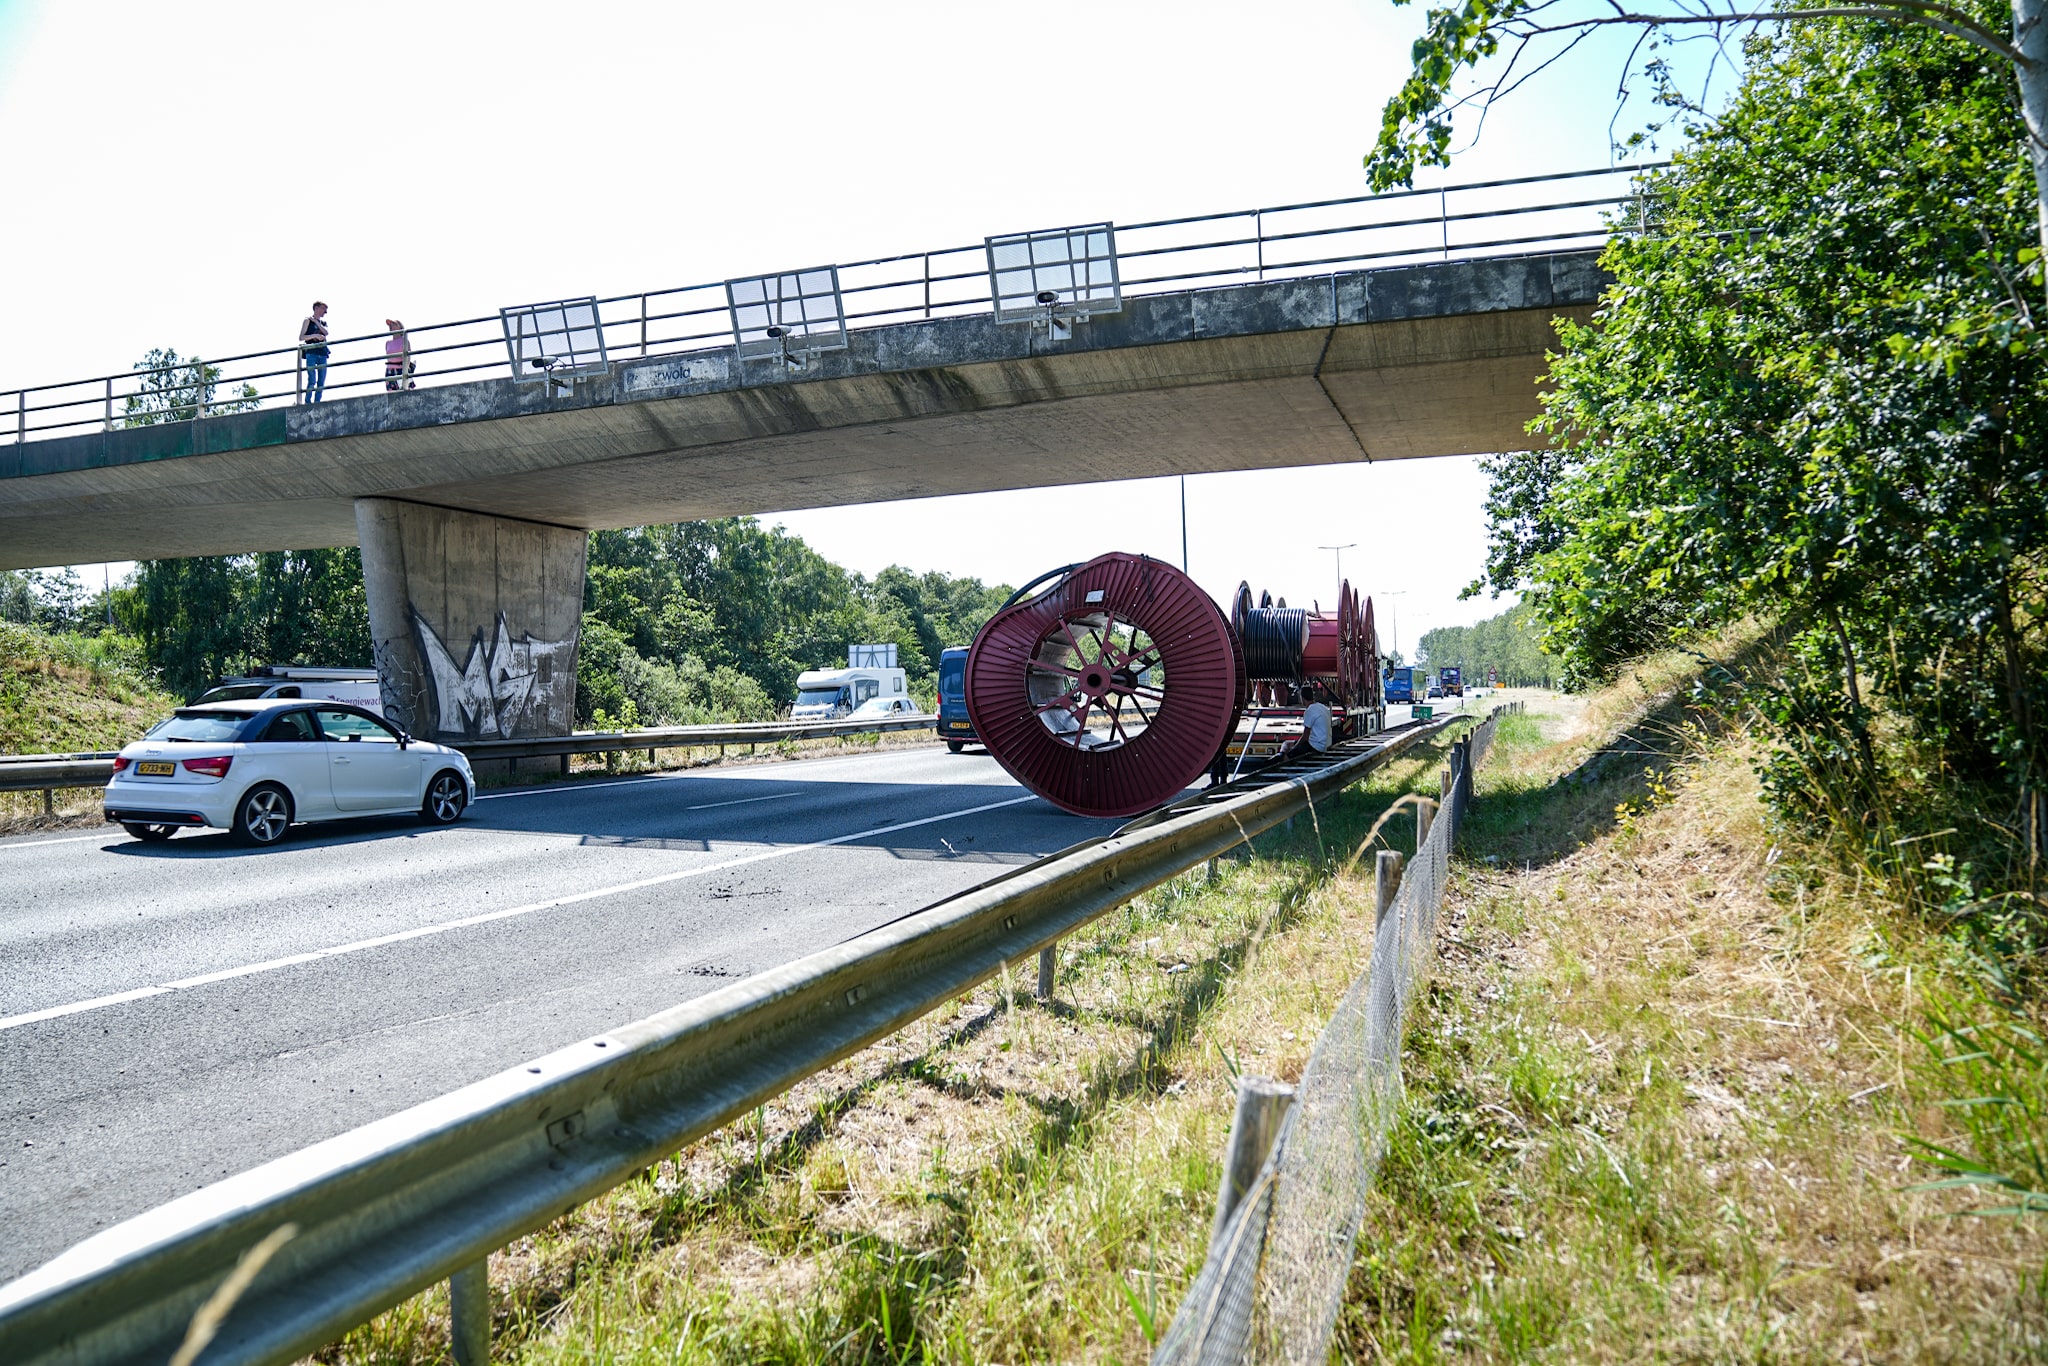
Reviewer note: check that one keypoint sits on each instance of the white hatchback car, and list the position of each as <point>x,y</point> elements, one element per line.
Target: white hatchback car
<point>254,766</point>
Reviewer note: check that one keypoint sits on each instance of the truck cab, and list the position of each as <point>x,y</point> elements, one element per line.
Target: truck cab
<point>954,726</point>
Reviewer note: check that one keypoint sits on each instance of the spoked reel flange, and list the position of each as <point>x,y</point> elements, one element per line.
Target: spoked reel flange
<point>1110,691</point>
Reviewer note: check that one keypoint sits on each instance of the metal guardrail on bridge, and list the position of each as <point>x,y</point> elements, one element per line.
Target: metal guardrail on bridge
<point>1574,210</point>
<point>385,1211</point>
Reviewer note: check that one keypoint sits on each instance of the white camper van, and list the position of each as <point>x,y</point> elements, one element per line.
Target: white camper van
<point>288,680</point>
<point>828,694</point>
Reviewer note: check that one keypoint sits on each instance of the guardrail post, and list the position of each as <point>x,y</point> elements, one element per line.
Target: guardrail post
<point>1048,962</point>
<point>110,404</point>
<point>469,1313</point>
<point>1425,815</point>
<point>1261,1105</point>
<point>49,801</point>
<point>565,766</point>
<point>20,416</point>
<point>1214,871</point>
<point>1386,880</point>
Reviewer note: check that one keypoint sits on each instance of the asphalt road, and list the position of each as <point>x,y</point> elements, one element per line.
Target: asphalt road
<point>174,1013</point>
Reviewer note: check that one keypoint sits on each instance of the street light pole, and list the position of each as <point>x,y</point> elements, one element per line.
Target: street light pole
<point>1340,549</point>
<point>1183,524</point>
<point>1393,619</point>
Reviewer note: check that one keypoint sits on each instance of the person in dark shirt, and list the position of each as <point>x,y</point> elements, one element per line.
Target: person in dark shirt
<point>313,345</point>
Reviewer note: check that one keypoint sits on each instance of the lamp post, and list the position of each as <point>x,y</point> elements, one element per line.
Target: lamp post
<point>1340,549</point>
<point>1393,620</point>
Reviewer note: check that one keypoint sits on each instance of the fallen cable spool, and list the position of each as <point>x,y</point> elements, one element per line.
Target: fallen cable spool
<point>1111,690</point>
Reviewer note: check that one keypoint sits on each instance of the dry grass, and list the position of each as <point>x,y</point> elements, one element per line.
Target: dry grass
<point>1657,1103</point>
<point>1002,1181</point>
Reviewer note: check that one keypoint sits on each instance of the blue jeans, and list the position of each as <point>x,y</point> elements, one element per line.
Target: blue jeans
<point>316,374</point>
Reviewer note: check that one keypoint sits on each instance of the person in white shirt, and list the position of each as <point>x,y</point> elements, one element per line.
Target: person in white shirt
<point>1315,726</point>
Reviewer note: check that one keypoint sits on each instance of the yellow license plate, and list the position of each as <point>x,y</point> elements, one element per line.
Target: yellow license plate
<point>156,768</point>
<point>960,725</point>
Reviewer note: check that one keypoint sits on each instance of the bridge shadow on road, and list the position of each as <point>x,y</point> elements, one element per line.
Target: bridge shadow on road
<point>921,822</point>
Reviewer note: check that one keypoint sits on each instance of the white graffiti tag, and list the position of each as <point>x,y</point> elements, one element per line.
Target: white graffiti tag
<point>496,684</point>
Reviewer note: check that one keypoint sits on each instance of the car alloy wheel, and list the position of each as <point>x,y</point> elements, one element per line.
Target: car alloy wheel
<point>446,796</point>
<point>264,815</point>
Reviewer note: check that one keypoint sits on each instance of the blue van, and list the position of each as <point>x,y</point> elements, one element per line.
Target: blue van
<point>954,727</point>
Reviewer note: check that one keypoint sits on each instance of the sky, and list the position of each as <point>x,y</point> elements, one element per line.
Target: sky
<point>193,175</point>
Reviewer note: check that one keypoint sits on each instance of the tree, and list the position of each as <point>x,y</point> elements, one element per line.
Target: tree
<point>176,388</point>
<point>1528,35</point>
<point>1836,417</point>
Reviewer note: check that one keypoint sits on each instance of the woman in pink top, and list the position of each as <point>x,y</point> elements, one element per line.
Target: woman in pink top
<point>397,357</point>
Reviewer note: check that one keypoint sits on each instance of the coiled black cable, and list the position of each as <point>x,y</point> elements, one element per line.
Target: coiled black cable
<point>1275,638</point>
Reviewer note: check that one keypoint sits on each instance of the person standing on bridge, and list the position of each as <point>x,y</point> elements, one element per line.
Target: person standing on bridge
<point>397,358</point>
<point>313,346</point>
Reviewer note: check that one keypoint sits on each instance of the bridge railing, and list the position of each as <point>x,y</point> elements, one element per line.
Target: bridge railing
<point>1533,213</point>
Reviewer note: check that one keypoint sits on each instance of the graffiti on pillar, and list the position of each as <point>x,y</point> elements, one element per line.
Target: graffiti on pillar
<point>499,684</point>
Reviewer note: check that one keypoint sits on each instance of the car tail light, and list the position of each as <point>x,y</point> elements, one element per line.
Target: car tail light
<point>216,767</point>
<point>120,763</point>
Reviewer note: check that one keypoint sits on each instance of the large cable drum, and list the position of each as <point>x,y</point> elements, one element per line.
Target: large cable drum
<point>1110,691</point>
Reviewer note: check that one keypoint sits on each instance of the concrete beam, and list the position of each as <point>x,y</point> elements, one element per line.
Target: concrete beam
<point>1389,364</point>
<point>473,619</point>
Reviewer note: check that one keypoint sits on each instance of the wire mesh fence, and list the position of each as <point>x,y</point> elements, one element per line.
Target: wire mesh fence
<point>1274,1279</point>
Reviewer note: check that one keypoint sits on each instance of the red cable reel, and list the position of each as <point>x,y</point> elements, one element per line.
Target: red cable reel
<point>1111,691</point>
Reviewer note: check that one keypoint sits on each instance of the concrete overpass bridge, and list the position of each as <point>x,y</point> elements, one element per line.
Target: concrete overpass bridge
<point>1390,327</point>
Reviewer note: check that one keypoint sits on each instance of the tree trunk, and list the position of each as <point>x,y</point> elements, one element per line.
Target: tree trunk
<point>2030,36</point>
<point>2020,702</point>
<point>1856,719</point>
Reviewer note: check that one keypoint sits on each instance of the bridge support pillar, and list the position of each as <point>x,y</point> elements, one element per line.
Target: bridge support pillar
<point>473,619</point>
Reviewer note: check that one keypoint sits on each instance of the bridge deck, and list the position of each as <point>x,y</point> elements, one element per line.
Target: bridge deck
<point>1397,363</point>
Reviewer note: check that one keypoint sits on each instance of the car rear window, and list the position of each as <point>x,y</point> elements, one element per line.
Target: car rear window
<point>201,727</point>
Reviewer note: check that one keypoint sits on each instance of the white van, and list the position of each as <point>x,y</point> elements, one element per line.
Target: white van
<point>289,680</point>
<point>828,694</point>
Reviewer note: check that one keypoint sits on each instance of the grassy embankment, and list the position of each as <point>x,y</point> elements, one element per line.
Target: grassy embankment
<point>1658,1103</point>
<point>62,694</point>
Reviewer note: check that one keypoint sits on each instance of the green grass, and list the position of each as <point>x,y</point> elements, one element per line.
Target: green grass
<point>1660,1095</point>
<point>1661,1101</point>
<point>65,693</point>
<point>1003,1181</point>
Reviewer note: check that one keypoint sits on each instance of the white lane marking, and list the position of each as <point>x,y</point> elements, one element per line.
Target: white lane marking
<point>424,931</point>
<point>68,839</point>
<point>741,801</point>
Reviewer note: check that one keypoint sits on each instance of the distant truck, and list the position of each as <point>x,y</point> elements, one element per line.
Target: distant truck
<point>1400,685</point>
<point>1452,681</point>
<point>828,694</point>
<point>290,680</point>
